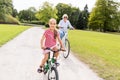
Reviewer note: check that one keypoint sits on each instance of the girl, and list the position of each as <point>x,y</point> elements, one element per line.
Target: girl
<point>49,40</point>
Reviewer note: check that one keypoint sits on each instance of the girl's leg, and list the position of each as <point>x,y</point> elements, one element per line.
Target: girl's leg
<point>44,59</point>
<point>57,53</point>
<point>56,56</point>
<point>40,69</point>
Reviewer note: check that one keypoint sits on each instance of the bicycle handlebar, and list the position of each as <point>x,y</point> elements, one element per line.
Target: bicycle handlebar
<point>54,50</point>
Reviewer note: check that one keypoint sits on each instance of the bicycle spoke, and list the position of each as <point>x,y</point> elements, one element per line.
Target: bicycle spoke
<point>67,47</point>
<point>53,74</point>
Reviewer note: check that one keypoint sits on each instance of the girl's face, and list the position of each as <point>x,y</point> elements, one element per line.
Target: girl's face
<point>52,24</point>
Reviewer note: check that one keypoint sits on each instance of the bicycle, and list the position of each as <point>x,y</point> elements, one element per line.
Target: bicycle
<point>50,66</point>
<point>67,45</point>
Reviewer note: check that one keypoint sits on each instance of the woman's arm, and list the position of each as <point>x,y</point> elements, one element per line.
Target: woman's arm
<point>70,26</point>
<point>60,24</point>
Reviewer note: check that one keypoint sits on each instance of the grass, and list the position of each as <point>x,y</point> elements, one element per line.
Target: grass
<point>8,32</point>
<point>101,51</point>
<point>116,33</point>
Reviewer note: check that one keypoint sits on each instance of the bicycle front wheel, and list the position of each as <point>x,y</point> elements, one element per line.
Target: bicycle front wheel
<point>53,74</point>
<point>67,47</point>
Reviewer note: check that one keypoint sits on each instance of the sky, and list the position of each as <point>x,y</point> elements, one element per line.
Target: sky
<point>25,4</point>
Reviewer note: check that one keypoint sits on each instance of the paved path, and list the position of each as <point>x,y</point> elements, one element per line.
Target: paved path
<point>20,58</point>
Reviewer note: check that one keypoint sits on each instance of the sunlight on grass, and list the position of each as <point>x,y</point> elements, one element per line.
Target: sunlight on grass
<point>100,50</point>
<point>8,32</point>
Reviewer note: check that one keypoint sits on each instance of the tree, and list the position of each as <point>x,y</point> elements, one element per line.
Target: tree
<point>32,11</point>
<point>5,8</point>
<point>23,15</point>
<point>83,19</point>
<point>103,15</point>
<point>27,15</point>
<point>14,13</point>
<point>6,11</point>
<point>72,12</point>
<point>63,9</point>
<point>74,16</point>
<point>117,20</point>
<point>46,12</point>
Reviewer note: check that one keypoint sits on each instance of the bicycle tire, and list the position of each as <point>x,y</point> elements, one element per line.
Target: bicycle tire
<point>56,77</point>
<point>67,43</point>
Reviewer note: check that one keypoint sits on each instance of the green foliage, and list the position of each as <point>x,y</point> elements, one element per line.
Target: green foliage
<point>72,12</point>
<point>101,51</point>
<point>46,12</point>
<point>8,19</point>
<point>74,16</point>
<point>6,10</point>
<point>8,32</point>
<point>15,13</point>
<point>6,6</point>
<point>63,9</point>
<point>35,22</point>
<point>11,20</point>
<point>103,16</point>
<point>27,15</point>
<point>83,19</point>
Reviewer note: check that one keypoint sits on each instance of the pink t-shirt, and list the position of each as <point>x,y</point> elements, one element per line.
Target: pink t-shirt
<point>49,41</point>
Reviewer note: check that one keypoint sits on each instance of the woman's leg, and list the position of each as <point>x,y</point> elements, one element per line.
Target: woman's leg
<point>61,34</point>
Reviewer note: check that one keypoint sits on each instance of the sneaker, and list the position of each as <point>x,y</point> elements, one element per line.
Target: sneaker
<point>40,70</point>
<point>57,64</point>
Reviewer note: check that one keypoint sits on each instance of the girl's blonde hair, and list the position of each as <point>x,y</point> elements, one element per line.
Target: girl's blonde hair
<point>52,19</point>
<point>55,30</point>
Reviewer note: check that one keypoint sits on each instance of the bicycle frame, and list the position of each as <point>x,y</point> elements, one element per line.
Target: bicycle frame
<point>50,62</point>
<point>65,37</point>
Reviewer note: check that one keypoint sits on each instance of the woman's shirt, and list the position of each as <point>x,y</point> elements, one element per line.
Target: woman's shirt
<point>64,25</point>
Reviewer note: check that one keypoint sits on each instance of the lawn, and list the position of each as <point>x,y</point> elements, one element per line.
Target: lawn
<point>101,51</point>
<point>8,32</point>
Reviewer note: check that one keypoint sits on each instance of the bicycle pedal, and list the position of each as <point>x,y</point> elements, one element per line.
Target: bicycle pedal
<point>45,71</point>
<point>57,64</point>
<point>39,70</point>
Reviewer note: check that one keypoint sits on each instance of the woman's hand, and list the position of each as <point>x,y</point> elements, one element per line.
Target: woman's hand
<point>63,49</point>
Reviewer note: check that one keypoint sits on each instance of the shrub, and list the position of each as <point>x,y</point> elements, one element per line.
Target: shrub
<point>8,19</point>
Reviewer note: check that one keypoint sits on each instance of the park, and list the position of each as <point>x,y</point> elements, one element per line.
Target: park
<point>95,41</point>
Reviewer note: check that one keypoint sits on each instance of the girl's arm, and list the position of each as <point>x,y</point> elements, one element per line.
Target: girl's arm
<point>42,42</point>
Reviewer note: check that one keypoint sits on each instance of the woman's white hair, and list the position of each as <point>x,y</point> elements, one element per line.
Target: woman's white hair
<point>65,15</point>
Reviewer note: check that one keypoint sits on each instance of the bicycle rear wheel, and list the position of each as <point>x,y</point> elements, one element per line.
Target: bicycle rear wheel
<point>53,74</point>
<point>67,47</point>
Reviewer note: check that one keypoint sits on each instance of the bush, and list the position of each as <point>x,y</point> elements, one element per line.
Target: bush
<point>34,22</point>
<point>47,25</point>
<point>8,19</point>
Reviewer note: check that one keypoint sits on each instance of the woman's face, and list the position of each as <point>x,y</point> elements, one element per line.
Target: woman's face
<point>65,18</point>
<point>52,24</point>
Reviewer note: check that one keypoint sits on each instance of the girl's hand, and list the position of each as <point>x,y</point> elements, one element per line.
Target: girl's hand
<point>43,47</point>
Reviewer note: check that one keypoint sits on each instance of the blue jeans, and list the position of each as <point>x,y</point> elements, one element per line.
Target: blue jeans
<point>62,33</point>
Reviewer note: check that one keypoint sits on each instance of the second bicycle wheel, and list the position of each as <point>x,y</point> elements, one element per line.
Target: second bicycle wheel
<point>67,47</point>
<point>53,74</point>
